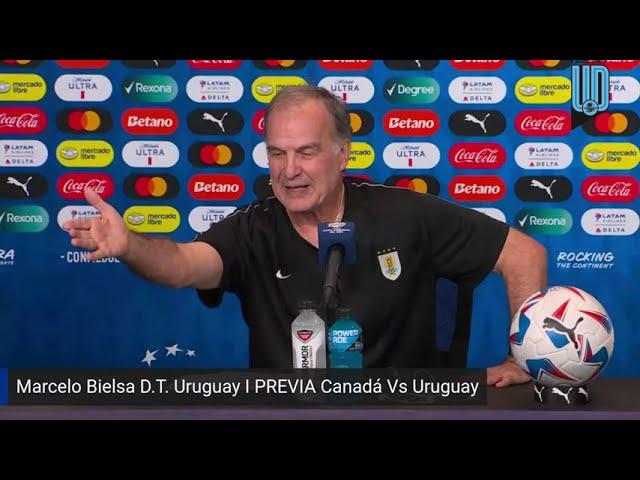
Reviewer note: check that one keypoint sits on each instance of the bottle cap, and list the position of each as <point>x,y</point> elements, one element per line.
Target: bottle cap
<point>306,305</point>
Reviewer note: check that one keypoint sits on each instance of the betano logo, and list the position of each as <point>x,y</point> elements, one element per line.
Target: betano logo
<point>265,88</point>
<point>83,88</point>
<point>150,88</point>
<point>151,219</point>
<point>417,183</point>
<point>540,90</point>
<point>149,121</point>
<point>544,221</point>
<point>411,123</point>
<point>401,155</point>
<point>21,87</point>
<point>412,90</point>
<point>613,123</point>
<point>361,122</point>
<point>151,187</point>
<point>150,154</point>
<point>476,188</point>
<point>477,64</point>
<point>214,89</point>
<point>610,221</point>
<point>214,64</point>
<point>611,156</point>
<point>84,153</point>
<point>216,187</point>
<point>544,156</point>
<point>95,120</point>
<point>224,154</point>
<point>476,90</point>
<point>346,64</point>
<point>362,156</point>
<point>349,89</point>
<point>612,188</point>
<point>280,64</point>
<point>474,156</point>
<point>23,219</point>
<point>201,218</point>
<point>623,90</point>
<point>22,153</point>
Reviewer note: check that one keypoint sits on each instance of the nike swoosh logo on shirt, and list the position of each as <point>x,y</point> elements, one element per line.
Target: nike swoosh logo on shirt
<point>280,276</point>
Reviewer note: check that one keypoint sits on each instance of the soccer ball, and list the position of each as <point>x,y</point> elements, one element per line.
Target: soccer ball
<point>561,336</point>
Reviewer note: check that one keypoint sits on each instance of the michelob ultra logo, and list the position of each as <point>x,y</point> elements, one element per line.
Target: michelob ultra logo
<point>150,88</point>
<point>544,155</point>
<point>538,90</point>
<point>150,153</point>
<point>265,88</point>
<point>494,213</point>
<point>83,63</point>
<point>544,221</point>
<point>83,88</point>
<point>611,156</point>
<point>22,153</point>
<point>280,64</point>
<point>214,64</point>
<point>361,122</point>
<point>412,90</point>
<point>260,156</point>
<point>362,156</point>
<point>151,219</point>
<point>543,64</point>
<point>345,64</point>
<point>411,64</point>
<point>21,87</point>
<point>149,121</point>
<point>416,183</point>
<point>411,155</point>
<point>94,120</point>
<point>216,187</point>
<point>411,123</point>
<point>623,90</point>
<point>84,153</point>
<point>470,90</point>
<point>612,123</point>
<point>201,218</point>
<point>349,89</point>
<point>477,64</point>
<point>214,89</point>
<point>610,221</point>
<point>23,219</point>
<point>223,154</point>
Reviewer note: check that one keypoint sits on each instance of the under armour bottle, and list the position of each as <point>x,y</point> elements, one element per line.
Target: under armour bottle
<point>345,341</point>
<point>309,338</point>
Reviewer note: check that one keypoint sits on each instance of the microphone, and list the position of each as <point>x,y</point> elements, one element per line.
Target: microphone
<point>336,245</point>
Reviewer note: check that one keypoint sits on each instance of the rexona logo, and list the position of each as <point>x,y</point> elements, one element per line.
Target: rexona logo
<point>264,89</point>
<point>95,120</point>
<point>346,64</point>
<point>622,188</point>
<point>83,63</point>
<point>543,123</point>
<point>150,88</point>
<point>623,90</point>
<point>349,89</point>
<point>544,156</point>
<point>22,120</point>
<point>152,187</point>
<point>216,187</point>
<point>411,64</point>
<point>214,89</point>
<point>477,64</point>
<point>361,122</point>
<point>21,87</point>
<point>201,218</point>
<point>611,156</point>
<point>83,88</point>
<point>538,90</point>
<point>280,64</point>
<point>477,123</point>
<point>417,183</point>
<point>149,121</point>
<point>149,63</point>
<point>224,154</point>
<point>615,64</point>
<point>494,213</point>
<point>475,156</point>
<point>613,123</point>
<point>543,64</point>
<point>214,64</point>
<point>362,156</point>
<point>25,186</point>
<point>471,188</point>
<point>22,153</point>
<point>73,212</point>
<point>150,154</point>
<point>610,221</point>
<point>411,123</point>
<point>215,121</point>
<point>260,156</point>
<point>543,188</point>
<point>151,219</point>
<point>23,219</point>
<point>84,153</point>
<point>468,90</point>
<point>412,90</point>
<point>402,155</point>
<point>72,185</point>
<point>544,221</point>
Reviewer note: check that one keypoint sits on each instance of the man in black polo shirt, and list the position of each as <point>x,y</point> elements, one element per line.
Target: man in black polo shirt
<point>267,252</point>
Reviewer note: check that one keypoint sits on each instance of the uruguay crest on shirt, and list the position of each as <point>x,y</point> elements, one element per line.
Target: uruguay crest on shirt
<point>390,263</point>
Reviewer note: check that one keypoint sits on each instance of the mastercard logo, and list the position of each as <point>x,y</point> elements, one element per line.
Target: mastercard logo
<point>20,63</point>
<point>84,121</point>
<point>613,123</point>
<point>420,184</point>
<point>151,186</point>
<point>361,122</point>
<point>280,64</point>
<point>225,154</point>
<point>543,64</point>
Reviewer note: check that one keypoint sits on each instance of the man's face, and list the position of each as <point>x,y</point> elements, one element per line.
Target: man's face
<point>305,161</point>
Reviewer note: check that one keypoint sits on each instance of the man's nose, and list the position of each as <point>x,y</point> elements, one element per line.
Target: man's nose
<point>292,167</point>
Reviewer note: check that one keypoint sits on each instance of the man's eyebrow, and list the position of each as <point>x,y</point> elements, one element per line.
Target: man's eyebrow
<point>314,145</point>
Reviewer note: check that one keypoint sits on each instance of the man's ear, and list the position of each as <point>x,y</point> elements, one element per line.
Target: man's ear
<point>345,153</point>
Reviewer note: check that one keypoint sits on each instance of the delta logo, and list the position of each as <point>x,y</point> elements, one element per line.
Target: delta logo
<point>613,123</point>
<point>265,88</point>
<point>150,154</point>
<point>361,122</point>
<point>623,90</point>
<point>411,123</point>
<point>401,155</point>
<point>214,64</point>
<point>621,188</point>
<point>149,121</point>
<point>159,186</point>
<point>544,156</point>
<point>349,89</point>
<point>362,156</point>
<point>476,156</point>
<point>214,89</point>
<point>22,87</point>
<point>95,120</point>
<point>351,65</point>
<point>610,221</point>
<point>543,123</point>
<point>472,188</point>
<point>216,187</point>
<point>611,156</point>
<point>416,183</point>
<point>543,64</point>
<point>615,64</point>
<point>543,90</point>
<point>280,64</point>
<point>475,90</point>
<point>150,88</point>
<point>83,88</point>
<point>72,185</point>
<point>87,153</point>
<point>22,120</point>
<point>22,153</point>
<point>83,63</point>
<point>151,219</point>
<point>224,154</point>
<point>477,64</point>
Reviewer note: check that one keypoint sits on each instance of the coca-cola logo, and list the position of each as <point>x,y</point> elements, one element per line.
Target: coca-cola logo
<point>258,122</point>
<point>472,188</point>
<point>25,120</point>
<point>72,185</point>
<point>477,155</point>
<point>543,123</point>
<point>619,188</point>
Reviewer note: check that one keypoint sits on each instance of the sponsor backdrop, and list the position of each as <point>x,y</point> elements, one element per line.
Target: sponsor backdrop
<point>177,145</point>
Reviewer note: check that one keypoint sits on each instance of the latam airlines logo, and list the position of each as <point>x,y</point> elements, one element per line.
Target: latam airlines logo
<point>411,123</point>
<point>21,87</point>
<point>544,221</point>
<point>280,64</point>
<point>471,188</point>
<point>149,121</point>
<point>412,90</point>
<point>150,88</point>
<point>538,90</point>
<point>361,122</point>
<point>72,185</point>
<point>72,212</point>
<point>202,218</point>
<point>475,156</point>
<point>470,90</point>
<point>151,219</point>
<point>416,183</point>
<point>345,64</point>
<point>216,187</point>
<point>477,64</point>
<point>477,123</point>
<point>543,188</point>
<point>610,221</point>
<point>214,64</point>
<point>152,187</point>
<point>22,120</point>
<point>611,156</point>
<point>83,88</point>
<point>23,219</point>
<point>214,89</point>
<point>619,188</point>
<point>223,154</point>
<point>421,155</point>
<point>362,156</point>
<point>87,153</point>
<point>215,121</point>
<point>544,156</point>
<point>411,64</point>
<point>543,123</point>
<point>264,89</point>
<point>623,90</point>
<point>95,120</point>
<point>150,154</point>
<point>22,153</point>
<point>349,89</point>
<point>25,186</point>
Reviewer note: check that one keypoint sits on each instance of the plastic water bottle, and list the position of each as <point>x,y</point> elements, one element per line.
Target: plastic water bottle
<point>309,338</point>
<point>345,341</point>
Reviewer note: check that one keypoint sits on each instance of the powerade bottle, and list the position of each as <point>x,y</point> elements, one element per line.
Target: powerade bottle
<point>345,341</point>
<point>308,336</point>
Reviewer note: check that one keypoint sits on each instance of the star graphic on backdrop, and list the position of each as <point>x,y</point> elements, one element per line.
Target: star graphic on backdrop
<point>191,353</point>
<point>149,357</point>
<point>172,350</point>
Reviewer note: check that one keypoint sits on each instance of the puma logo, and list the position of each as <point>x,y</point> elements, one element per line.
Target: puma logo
<point>218,121</point>
<point>23,186</point>
<point>539,392</point>
<point>473,119</point>
<point>553,324</point>
<point>542,186</point>
<point>557,391</point>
